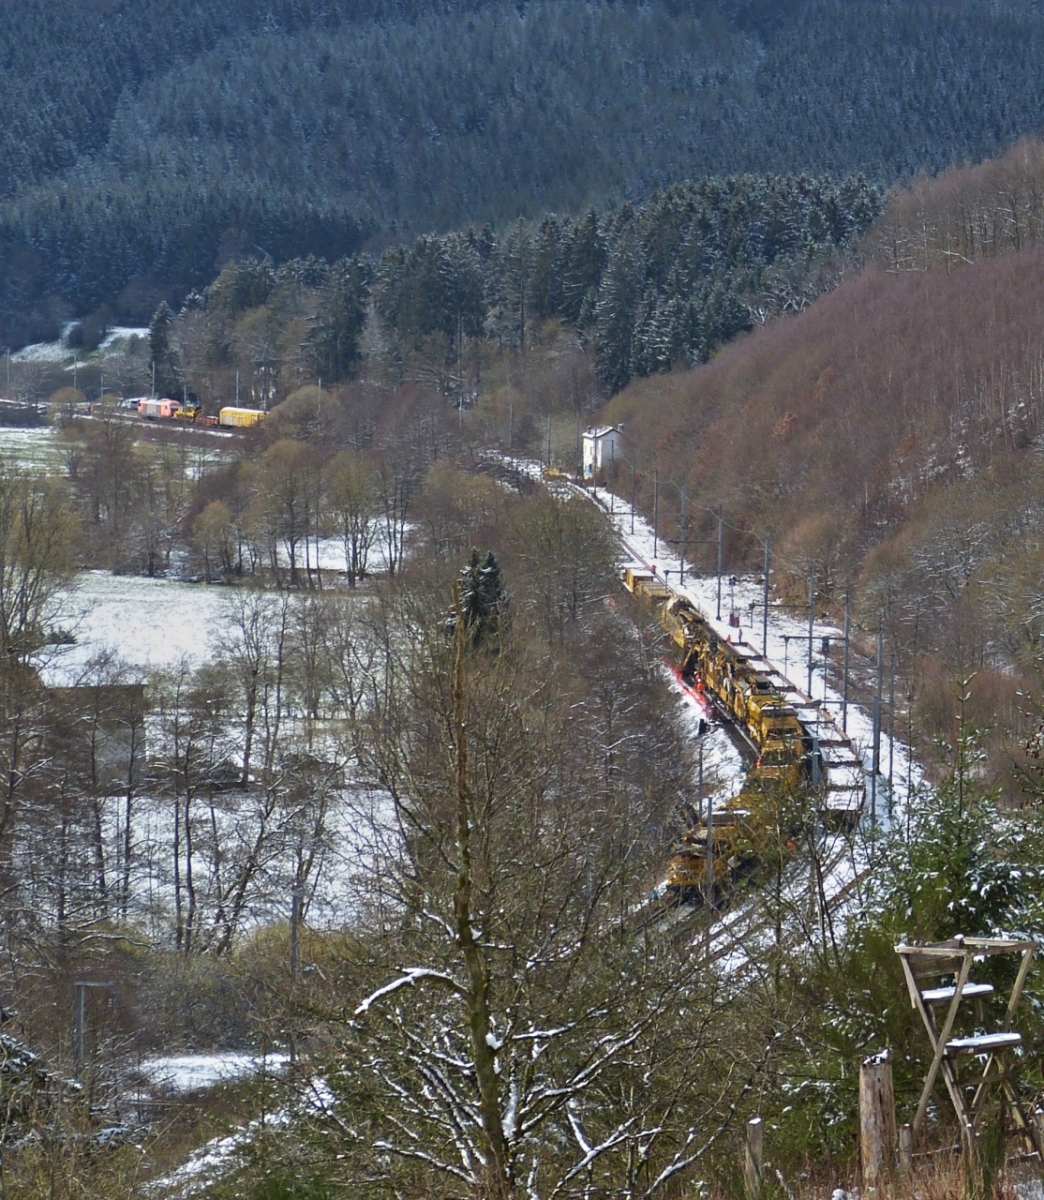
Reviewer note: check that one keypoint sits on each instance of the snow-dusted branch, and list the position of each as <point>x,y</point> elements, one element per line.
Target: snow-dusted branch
<point>412,976</point>
<point>621,1134</point>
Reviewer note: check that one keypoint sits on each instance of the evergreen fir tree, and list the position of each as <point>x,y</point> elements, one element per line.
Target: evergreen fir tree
<point>585,255</point>
<point>159,333</point>
<point>333,341</point>
<point>614,315</point>
<point>546,285</point>
<point>484,602</point>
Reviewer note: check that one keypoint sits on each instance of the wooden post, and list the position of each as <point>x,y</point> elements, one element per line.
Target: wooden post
<point>906,1148</point>
<point>752,1158</point>
<point>970,1145</point>
<point>876,1119</point>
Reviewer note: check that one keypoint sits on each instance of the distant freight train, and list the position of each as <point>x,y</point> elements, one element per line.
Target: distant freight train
<point>156,409</point>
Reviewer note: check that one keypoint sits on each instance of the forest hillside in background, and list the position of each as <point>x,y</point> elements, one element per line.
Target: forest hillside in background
<point>633,292</point>
<point>144,149</point>
<point>888,440</point>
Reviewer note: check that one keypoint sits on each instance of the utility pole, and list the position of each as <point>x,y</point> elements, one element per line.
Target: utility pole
<point>721,530</point>
<point>633,466</point>
<point>764,612</point>
<point>811,617</point>
<point>81,1021</point>
<point>891,733</point>
<point>681,547</point>
<point>848,634</point>
<point>876,743</point>
<point>154,383</point>
<point>548,439</point>
<point>511,424</point>
<point>683,541</point>
<point>296,907</point>
<point>708,886</point>
<point>656,510</point>
<point>295,928</point>
<point>612,475</point>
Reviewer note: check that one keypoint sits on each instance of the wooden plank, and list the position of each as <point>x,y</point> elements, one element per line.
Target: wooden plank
<point>944,994</point>
<point>983,1043</point>
<point>906,1149</point>
<point>1020,983</point>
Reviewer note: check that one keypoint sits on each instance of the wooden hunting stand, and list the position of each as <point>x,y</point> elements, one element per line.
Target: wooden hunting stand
<point>961,1058</point>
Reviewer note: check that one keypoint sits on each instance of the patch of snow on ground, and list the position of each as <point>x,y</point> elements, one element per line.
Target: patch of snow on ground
<point>61,351</point>
<point>218,1156</point>
<point>57,351</point>
<point>331,556</point>
<point>35,450</point>
<point>122,333</point>
<point>197,1072</point>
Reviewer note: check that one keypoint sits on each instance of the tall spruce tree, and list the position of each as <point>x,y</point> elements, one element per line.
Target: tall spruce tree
<point>484,602</point>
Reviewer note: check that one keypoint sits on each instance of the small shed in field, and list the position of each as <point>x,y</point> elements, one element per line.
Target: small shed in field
<point>601,446</point>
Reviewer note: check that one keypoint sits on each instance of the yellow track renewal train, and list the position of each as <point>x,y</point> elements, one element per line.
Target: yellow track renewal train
<point>798,750</point>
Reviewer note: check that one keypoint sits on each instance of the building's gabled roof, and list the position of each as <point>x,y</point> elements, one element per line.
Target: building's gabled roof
<point>601,431</point>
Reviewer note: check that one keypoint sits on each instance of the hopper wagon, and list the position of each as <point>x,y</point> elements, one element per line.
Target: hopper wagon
<point>797,749</point>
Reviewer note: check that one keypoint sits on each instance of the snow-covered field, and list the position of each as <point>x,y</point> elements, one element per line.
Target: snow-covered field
<point>328,553</point>
<point>40,451</point>
<point>149,624</point>
<point>36,451</point>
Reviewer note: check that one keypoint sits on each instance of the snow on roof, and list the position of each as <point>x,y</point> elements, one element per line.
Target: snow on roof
<point>601,431</point>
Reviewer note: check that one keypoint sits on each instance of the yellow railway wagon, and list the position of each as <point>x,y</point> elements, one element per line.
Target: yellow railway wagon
<point>789,752</point>
<point>241,418</point>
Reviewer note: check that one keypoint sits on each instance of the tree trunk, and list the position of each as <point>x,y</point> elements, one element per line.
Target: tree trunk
<point>498,1176</point>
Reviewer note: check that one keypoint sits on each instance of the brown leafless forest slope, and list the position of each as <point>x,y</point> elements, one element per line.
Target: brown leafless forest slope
<point>889,439</point>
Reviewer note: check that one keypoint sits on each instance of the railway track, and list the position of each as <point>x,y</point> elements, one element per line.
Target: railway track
<point>813,889</point>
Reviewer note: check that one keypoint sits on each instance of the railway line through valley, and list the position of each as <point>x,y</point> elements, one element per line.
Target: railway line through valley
<point>794,741</point>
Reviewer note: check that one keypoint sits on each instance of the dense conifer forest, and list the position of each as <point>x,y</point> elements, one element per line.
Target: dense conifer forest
<point>144,149</point>
<point>643,289</point>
